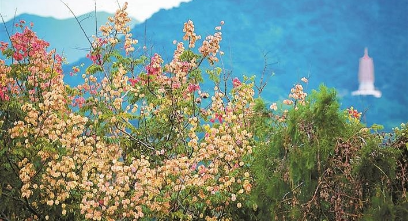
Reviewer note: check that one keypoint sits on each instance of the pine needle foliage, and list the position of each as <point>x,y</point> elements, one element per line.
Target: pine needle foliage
<point>322,165</point>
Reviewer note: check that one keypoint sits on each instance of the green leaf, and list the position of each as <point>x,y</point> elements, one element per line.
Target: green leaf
<point>94,69</point>
<point>377,127</point>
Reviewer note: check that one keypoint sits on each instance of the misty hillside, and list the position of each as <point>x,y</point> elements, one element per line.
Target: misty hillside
<point>65,35</point>
<point>319,39</point>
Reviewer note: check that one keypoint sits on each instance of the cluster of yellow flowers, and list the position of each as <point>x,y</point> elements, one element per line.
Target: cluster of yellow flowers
<point>118,25</point>
<point>189,34</point>
<point>211,45</point>
<point>4,79</point>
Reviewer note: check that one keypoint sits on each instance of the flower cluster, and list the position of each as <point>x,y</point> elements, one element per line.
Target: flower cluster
<point>297,95</point>
<point>116,25</point>
<point>3,94</point>
<point>211,45</point>
<point>236,82</point>
<point>155,68</point>
<point>189,34</point>
<point>26,44</point>
<point>353,115</point>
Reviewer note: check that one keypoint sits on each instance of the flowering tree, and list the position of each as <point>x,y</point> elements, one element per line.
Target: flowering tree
<point>138,139</point>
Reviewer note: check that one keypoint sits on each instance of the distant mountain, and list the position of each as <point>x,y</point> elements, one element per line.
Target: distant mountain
<point>64,35</point>
<point>319,39</point>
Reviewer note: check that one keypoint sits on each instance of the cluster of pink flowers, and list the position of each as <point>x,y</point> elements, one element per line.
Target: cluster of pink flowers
<point>3,94</point>
<point>218,117</point>
<point>236,82</point>
<point>3,46</point>
<point>134,81</point>
<point>74,71</point>
<point>297,93</point>
<point>154,68</point>
<point>193,87</point>
<point>95,55</point>
<point>43,69</point>
<point>95,58</point>
<point>26,44</point>
<point>79,101</point>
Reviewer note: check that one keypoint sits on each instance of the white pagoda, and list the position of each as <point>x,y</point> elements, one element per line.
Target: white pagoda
<point>366,77</point>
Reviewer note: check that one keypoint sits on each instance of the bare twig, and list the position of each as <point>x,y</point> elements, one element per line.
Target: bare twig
<point>8,33</point>
<point>5,27</point>
<point>263,82</point>
<point>79,23</point>
<point>96,21</point>
<point>135,138</point>
<point>284,196</point>
<point>4,217</point>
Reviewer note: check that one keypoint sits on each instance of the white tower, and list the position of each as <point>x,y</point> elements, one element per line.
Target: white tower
<point>366,77</point>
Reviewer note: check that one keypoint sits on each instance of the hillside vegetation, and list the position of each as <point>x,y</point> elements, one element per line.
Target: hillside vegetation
<point>144,139</point>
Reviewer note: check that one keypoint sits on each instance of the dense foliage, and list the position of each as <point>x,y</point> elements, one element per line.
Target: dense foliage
<point>323,164</point>
<point>143,139</point>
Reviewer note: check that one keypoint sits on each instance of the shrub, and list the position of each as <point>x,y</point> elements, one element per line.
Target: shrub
<point>323,164</point>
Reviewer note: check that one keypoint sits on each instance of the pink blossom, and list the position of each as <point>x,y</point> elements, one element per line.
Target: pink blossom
<point>134,81</point>
<point>3,46</point>
<point>217,117</point>
<point>79,101</point>
<point>3,95</point>
<point>154,67</point>
<point>202,169</point>
<point>95,58</point>
<point>194,166</point>
<point>18,56</point>
<point>288,102</point>
<point>236,82</point>
<point>185,66</point>
<point>74,71</point>
<point>193,87</point>
<point>176,85</point>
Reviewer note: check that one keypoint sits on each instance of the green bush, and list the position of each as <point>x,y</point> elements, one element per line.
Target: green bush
<point>322,164</point>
